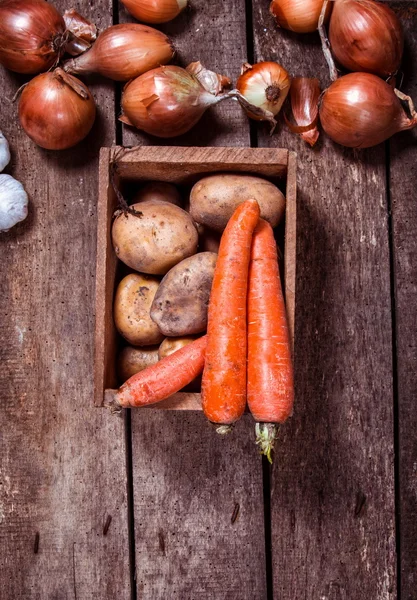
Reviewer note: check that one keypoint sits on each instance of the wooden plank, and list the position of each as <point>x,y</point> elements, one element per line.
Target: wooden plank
<point>63,461</point>
<point>105,339</point>
<point>186,480</point>
<point>213,33</point>
<point>403,183</point>
<point>183,165</point>
<point>187,483</point>
<point>332,502</point>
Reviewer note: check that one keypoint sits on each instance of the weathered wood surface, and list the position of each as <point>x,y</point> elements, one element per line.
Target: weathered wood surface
<point>213,33</point>
<point>403,185</point>
<point>327,543</point>
<point>186,481</point>
<point>63,461</point>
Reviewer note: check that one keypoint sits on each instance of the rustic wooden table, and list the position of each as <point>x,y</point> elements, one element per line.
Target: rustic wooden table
<point>95,506</point>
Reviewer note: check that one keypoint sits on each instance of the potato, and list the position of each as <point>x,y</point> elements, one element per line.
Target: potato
<point>198,226</point>
<point>158,190</point>
<point>210,240</point>
<point>132,360</point>
<point>214,198</point>
<point>180,304</point>
<point>171,345</point>
<point>156,239</point>
<point>134,297</point>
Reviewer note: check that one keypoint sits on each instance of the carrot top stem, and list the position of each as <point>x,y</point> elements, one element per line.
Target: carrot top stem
<point>266,434</point>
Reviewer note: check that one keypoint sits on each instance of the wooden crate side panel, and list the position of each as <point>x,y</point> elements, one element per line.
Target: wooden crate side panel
<point>180,165</point>
<point>290,252</point>
<point>105,332</point>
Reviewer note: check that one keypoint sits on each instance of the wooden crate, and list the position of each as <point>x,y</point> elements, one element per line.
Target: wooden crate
<point>182,166</point>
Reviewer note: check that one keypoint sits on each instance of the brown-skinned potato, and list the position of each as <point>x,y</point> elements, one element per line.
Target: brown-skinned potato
<point>181,302</point>
<point>171,345</point>
<point>134,297</point>
<point>214,199</point>
<point>156,239</point>
<point>158,190</point>
<point>132,360</point>
<point>209,240</point>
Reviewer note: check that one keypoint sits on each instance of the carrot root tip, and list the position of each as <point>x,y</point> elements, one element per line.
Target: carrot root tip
<point>223,429</point>
<point>110,402</point>
<point>266,434</point>
<point>115,408</point>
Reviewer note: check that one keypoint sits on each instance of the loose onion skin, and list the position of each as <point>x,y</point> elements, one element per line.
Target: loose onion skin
<point>366,36</point>
<point>56,110</point>
<point>155,11</point>
<point>123,52</point>
<point>301,16</point>
<point>305,94</point>
<point>361,110</point>
<point>32,35</point>
<point>265,85</point>
<point>165,102</point>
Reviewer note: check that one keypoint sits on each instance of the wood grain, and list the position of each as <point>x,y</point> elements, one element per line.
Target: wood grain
<point>105,334</point>
<point>332,504</point>
<point>403,184</point>
<point>62,461</point>
<point>214,33</point>
<point>186,481</point>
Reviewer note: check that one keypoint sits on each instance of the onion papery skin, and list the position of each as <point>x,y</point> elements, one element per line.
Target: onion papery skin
<point>123,52</point>
<point>366,36</point>
<point>155,11</point>
<point>165,102</point>
<point>32,35</point>
<point>301,16</point>
<point>305,94</point>
<point>266,85</point>
<point>52,114</point>
<point>360,110</point>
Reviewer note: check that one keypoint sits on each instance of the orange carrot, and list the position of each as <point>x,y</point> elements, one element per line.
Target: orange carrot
<point>270,373</point>
<point>224,376</point>
<point>166,377</point>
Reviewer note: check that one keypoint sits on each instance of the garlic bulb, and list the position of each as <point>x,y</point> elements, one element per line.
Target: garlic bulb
<point>4,152</point>
<point>13,202</point>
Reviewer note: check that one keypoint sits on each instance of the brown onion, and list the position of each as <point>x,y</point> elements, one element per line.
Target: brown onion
<point>56,110</point>
<point>301,16</point>
<point>366,36</point>
<point>361,110</point>
<point>264,85</point>
<point>32,35</point>
<point>155,11</point>
<point>123,52</point>
<point>305,94</point>
<point>167,101</point>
